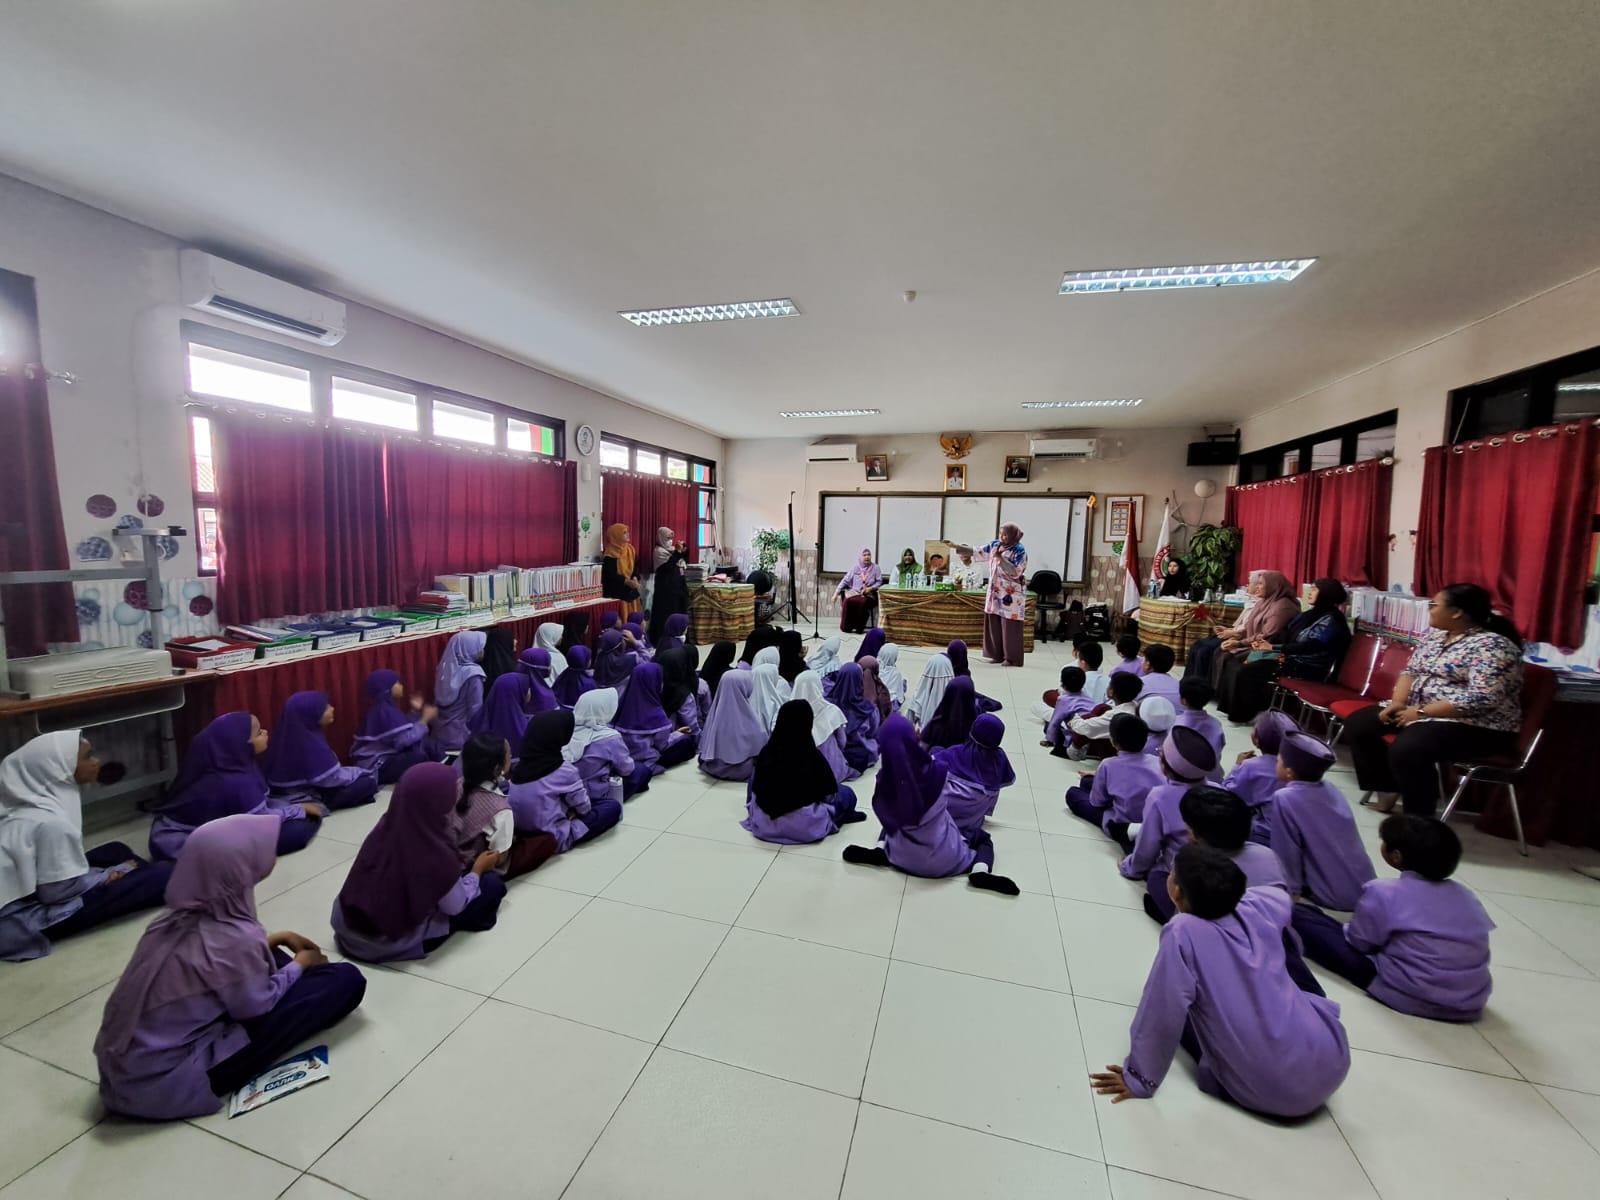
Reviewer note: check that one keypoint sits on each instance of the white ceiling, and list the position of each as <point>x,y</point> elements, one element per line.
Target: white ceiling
<point>516,172</point>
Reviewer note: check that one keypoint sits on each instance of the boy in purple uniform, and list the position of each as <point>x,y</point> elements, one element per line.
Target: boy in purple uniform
<point>1159,716</point>
<point>1089,733</point>
<point>1185,759</point>
<point>1193,696</point>
<point>1115,797</point>
<point>1255,775</point>
<point>1314,833</point>
<point>1218,988</point>
<point>1128,656</point>
<point>1419,943</point>
<point>1070,702</point>
<point>1215,817</point>
<point>1157,671</point>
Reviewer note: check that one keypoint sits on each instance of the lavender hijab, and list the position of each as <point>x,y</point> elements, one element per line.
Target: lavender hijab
<point>504,712</point>
<point>409,860</point>
<point>219,776</point>
<point>980,757</point>
<point>383,714</point>
<point>534,666</point>
<point>909,780</point>
<point>299,750</point>
<point>575,681</point>
<point>210,939</point>
<point>459,664</point>
<point>613,661</point>
<point>733,732</point>
<point>640,710</point>
<point>952,721</point>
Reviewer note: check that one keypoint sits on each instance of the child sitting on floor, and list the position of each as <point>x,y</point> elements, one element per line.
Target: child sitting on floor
<point>1159,715</point>
<point>483,814</point>
<point>794,797</point>
<point>1193,697</point>
<point>1419,943</point>
<point>1070,702</point>
<point>393,738</point>
<point>1218,987</point>
<point>1128,653</point>
<point>1314,833</point>
<point>600,753</point>
<point>300,765</point>
<point>1089,732</point>
<point>1157,669</point>
<point>1215,817</point>
<point>976,770</point>
<point>1113,797</point>
<point>1185,759</point>
<point>1255,777</point>
<point>458,687</point>
<point>547,793</point>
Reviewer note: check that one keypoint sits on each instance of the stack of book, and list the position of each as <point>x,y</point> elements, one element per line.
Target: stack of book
<point>556,587</point>
<point>271,642</point>
<point>1389,613</point>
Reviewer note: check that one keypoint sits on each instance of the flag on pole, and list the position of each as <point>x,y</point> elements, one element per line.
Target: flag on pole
<point>1158,566</point>
<point>1130,566</point>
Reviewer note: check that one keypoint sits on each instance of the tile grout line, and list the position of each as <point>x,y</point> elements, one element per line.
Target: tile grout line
<point>866,1068</point>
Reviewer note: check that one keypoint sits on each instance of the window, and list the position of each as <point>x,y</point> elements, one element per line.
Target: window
<point>530,437</point>
<point>1371,437</point>
<point>616,455</point>
<point>1563,389</point>
<point>230,376</point>
<point>462,424</point>
<point>677,468</point>
<point>205,493</point>
<point>625,454</point>
<point>373,405</point>
<point>646,462</point>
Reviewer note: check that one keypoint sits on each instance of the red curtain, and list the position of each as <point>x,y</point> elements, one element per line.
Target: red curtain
<point>1274,518</point>
<point>646,503</point>
<point>1348,517</point>
<point>459,511</point>
<point>305,526</point>
<point>32,537</point>
<point>1513,514</point>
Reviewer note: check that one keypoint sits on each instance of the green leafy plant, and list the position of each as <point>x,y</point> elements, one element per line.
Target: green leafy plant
<point>768,544</point>
<point>1210,555</point>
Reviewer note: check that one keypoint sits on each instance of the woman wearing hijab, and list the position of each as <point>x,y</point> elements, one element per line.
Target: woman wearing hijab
<point>505,710</point>
<point>871,644</point>
<point>889,672</point>
<point>861,716</point>
<point>874,686</point>
<point>673,631</point>
<point>669,594</point>
<point>547,637</point>
<point>908,568</point>
<point>219,778</point>
<point>975,771</point>
<point>547,793</point>
<point>300,765</point>
<point>1311,646</point>
<point>733,734</point>
<point>50,886</point>
<point>1005,607</point>
<point>1175,579</point>
<point>458,687</point>
<point>956,652</point>
<point>824,659</point>
<point>619,578</point>
<point>392,739</point>
<point>794,797</point>
<point>919,835</point>
<point>534,665</point>
<point>951,723</point>
<point>1272,606</point>
<point>406,892</point>
<point>499,653</point>
<point>575,682</point>
<point>653,739</point>
<point>936,677</point>
<point>613,662</point>
<point>210,999</point>
<point>827,726</point>
<point>770,691</point>
<point>791,655</point>
<point>762,637</point>
<point>858,594</point>
<point>600,753</point>
<point>718,663</point>
<point>483,818</point>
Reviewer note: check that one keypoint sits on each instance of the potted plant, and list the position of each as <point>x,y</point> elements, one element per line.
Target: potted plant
<point>768,545</point>
<point>1210,556</point>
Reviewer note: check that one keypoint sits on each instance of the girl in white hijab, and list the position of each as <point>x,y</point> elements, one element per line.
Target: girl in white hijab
<point>548,636</point>
<point>824,659</point>
<point>49,886</point>
<point>936,676</point>
<point>889,675</point>
<point>599,751</point>
<point>827,725</point>
<point>770,691</point>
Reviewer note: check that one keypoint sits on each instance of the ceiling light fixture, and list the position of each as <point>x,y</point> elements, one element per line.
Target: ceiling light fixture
<point>1578,387</point>
<point>739,310</point>
<point>832,412</point>
<point>1128,279</point>
<point>1132,402</point>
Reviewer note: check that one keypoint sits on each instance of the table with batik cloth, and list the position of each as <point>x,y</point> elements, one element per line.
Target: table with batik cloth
<point>1182,623</point>
<point>263,687</point>
<point>925,618</point>
<point>721,612</point>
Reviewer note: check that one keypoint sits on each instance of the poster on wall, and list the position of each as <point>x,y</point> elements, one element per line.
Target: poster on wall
<point>1121,514</point>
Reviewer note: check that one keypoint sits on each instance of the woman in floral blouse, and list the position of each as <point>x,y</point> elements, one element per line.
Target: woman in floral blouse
<point>1007,603</point>
<point>1460,699</point>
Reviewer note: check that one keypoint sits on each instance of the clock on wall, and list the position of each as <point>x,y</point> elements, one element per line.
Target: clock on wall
<point>584,440</point>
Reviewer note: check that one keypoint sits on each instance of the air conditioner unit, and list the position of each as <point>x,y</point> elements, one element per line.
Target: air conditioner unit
<point>1063,447</point>
<point>215,285</point>
<point>833,452</point>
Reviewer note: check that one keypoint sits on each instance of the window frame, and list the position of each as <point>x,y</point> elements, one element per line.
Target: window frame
<point>1270,462</point>
<point>705,491</point>
<point>1540,380</point>
<point>203,501</point>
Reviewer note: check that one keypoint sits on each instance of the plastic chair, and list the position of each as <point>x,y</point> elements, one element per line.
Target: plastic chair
<point>1349,682</point>
<point>1046,587</point>
<point>1538,694</point>
<point>1393,660</point>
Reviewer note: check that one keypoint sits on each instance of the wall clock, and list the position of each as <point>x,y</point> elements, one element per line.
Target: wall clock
<point>584,440</point>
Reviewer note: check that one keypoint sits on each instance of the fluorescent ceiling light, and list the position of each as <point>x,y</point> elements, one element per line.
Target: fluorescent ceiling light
<point>832,412</point>
<point>1128,403</point>
<point>1578,387</point>
<point>739,310</point>
<point>1127,279</point>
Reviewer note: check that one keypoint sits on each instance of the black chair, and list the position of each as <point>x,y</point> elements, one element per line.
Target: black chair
<point>1046,587</point>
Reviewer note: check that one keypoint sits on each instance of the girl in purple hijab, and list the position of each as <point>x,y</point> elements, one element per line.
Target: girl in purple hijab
<point>871,644</point>
<point>406,893</point>
<point>975,773</point>
<point>633,635</point>
<point>672,634</point>
<point>952,720</point>
<point>919,835</point>
<point>547,793</point>
<point>733,734</point>
<point>613,662</point>
<point>300,765</point>
<point>505,709</point>
<point>219,778</point>
<point>861,716</point>
<point>209,999</point>
<point>393,739</point>
<point>458,687</point>
<point>653,739</point>
<point>956,652</point>
<point>533,664</point>
<point>794,797</point>
<point>575,682</point>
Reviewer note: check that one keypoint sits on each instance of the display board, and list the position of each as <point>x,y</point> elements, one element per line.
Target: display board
<point>1053,530</point>
<point>971,520</point>
<point>905,521</point>
<point>848,524</point>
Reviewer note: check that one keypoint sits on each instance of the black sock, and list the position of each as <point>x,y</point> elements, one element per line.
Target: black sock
<point>866,856</point>
<point>850,818</point>
<point>1154,913</point>
<point>990,882</point>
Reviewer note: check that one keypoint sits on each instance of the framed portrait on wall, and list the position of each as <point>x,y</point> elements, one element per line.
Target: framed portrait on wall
<point>955,477</point>
<point>1019,468</point>
<point>1122,513</point>
<point>877,468</point>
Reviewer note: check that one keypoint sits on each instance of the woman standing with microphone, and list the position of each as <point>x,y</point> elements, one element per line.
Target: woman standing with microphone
<point>1006,606</point>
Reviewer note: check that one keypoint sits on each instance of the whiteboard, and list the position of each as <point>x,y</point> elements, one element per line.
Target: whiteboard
<point>971,520</point>
<point>1046,525</point>
<point>848,524</point>
<point>906,521</point>
<point>1077,536</point>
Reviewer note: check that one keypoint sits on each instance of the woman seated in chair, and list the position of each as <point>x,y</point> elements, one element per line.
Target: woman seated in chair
<point>1274,606</point>
<point>1311,647</point>
<point>858,592</point>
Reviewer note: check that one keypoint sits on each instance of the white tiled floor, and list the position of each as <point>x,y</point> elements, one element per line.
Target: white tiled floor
<point>678,1010</point>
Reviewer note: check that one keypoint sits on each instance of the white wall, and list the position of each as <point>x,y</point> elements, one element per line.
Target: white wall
<point>1561,321</point>
<point>109,314</point>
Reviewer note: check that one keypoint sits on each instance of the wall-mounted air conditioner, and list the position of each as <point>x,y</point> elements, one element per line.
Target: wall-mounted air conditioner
<point>1063,447</point>
<point>832,452</point>
<point>215,285</point>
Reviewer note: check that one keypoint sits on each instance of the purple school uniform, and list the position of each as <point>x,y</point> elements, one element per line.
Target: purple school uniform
<point>1122,785</point>
<point>458,687</point>
<point>553,804</point>
<point>1128,664</point>
<point>733,733</point>
<point>1203,723</point>
<point>376,948</point>
<point>1068,705</point>
<point>1315,837</point>
<point>1255,781</point>
<point>371,751</point>
<point>933,847</point>
<point>602,759</point>
<point>1160,683</point>
<point>451,725</point>
<point>1163,833</point>
<point>1430,945</point>
<point>24,920</point>
<point>832,749</point>
<point>800,827</point>
<point>1260,866</point>
<point>300,764</point>
<point>1263,1042</point>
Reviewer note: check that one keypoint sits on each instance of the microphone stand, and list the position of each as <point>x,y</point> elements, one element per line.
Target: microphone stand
<point>816,599</point>
<point>792,608</point>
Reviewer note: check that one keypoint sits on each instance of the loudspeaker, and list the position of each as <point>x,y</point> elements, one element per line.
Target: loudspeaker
<point>1217,452</point>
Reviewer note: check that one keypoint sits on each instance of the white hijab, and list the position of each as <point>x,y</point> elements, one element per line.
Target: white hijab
<point>936,677</point>
<point>547,635</point>
<point>770,693</point>
<point>825,716</point>
<point>41,816</point>
<point>592,713</point>
<point>889,672</point>
<point>824,659</point>
<point>768,657</point>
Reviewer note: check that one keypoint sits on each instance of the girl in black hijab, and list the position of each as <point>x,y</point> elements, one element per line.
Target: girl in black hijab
<point>759,640</point>
<point>794,798</point>
<point>499,654</point>
<point>720,660</point>
<point>791,655</point>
